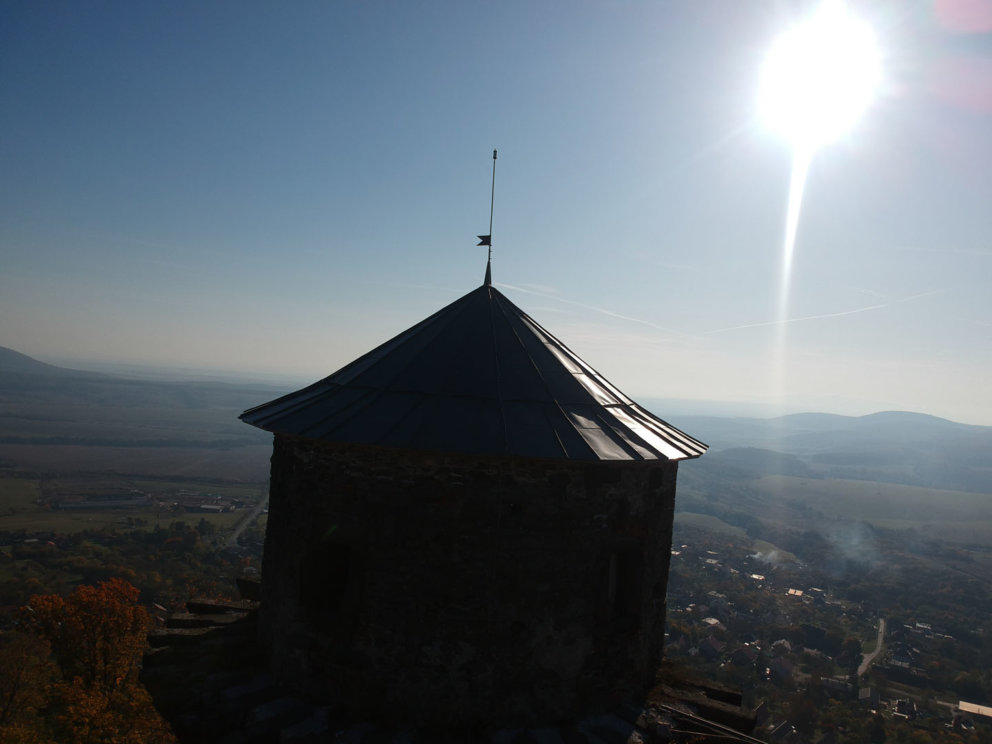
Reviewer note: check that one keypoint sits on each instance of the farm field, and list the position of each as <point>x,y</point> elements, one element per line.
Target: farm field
<point>709,523</point>
<point>71,522</point>
<point>51,474</point>
<point>955,516</point>
<point>68,423</point>
<point>249,464</point>
<point>20,508</point>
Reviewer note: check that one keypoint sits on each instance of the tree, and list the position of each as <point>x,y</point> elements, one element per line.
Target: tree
<point>26,673</point>
<point>95,637</point>
<point>969,685</point>
<point>205,528</point>
<point>874,730</point>
<point>851,652</point>
<point>97,633</point>
<point>123,716</point>
<point>801,710</point>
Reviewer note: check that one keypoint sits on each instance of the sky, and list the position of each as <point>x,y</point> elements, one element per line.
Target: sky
<point>277,188</point>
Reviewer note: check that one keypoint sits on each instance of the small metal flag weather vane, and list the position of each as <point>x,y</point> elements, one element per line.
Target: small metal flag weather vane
<point>487,240</point>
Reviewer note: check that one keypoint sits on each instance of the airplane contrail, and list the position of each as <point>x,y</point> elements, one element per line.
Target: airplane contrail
<point>600,310</point>
<point>760,324</point>
<point>839,314</point>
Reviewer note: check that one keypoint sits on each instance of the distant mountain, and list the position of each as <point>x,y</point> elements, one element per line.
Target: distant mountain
<point>807,433</point>
<point>45,404</point>
<point>26,380</point>
<point>14,362</point>
<point>892,446</point>
<point>757,462</point>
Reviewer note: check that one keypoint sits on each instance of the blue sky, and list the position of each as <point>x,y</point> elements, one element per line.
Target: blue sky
<point>277,188</point>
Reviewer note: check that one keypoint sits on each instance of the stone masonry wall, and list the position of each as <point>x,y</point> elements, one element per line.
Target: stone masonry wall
<point>463,591</point>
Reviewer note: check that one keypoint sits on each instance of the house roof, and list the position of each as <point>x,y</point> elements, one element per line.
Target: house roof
<point>478,376</point>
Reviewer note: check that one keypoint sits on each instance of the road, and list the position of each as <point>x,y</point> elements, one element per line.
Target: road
<point>879,645</point>
<point>233,539</point>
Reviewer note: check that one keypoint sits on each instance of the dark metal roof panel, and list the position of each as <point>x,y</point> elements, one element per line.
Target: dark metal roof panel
<point>478,376</point>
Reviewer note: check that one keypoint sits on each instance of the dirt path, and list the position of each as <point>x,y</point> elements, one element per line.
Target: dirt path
<point>879,645</point>
<point>233,539</point>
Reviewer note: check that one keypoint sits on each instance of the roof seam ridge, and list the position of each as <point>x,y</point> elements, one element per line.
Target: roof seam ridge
<point>554,399</point>
<point>499,392</point>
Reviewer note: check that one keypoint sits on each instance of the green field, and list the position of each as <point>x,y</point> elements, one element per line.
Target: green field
<point>20,508</point>
<point>18,495</point>
<point>956,516</point>
<point>713,524</point>
<point>708,523</point>
<point>248,464</point>
<point>68,423</point>
<point>69,522</point>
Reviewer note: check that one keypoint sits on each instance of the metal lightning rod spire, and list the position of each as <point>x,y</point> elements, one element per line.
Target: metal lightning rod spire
<point>487,240</point>
<point>492,203</point>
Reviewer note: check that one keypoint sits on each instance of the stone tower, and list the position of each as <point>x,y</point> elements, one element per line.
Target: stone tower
<point>468,527</point>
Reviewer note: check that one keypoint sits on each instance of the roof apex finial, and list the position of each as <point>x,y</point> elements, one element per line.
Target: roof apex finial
<point>487,240</point>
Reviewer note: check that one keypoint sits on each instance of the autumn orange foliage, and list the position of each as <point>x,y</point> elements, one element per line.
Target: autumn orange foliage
<point>91,642</point>
<point>97,633</point>
<point>26,674</point>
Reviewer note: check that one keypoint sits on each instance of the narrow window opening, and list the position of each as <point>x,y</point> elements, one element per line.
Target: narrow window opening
<point>325,577</point>
<point>623,590</point>
<point>611,591</point>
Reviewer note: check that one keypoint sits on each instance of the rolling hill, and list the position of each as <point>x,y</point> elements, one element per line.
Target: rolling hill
<point>893,447</point>
<point>45,404</point>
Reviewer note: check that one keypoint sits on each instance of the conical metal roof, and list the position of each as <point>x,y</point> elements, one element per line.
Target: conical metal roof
<point>479,376</point>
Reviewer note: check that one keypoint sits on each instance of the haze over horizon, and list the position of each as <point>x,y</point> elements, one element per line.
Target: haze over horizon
<point>281,189</point>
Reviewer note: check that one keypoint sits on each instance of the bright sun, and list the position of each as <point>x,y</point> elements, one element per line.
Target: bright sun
<point>819,77</point>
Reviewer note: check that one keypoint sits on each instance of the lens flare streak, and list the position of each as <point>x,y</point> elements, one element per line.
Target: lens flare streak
<point>797,186</point>
<point>817,80</point>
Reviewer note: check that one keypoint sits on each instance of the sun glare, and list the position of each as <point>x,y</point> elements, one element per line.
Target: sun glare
<point>819,77</point>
